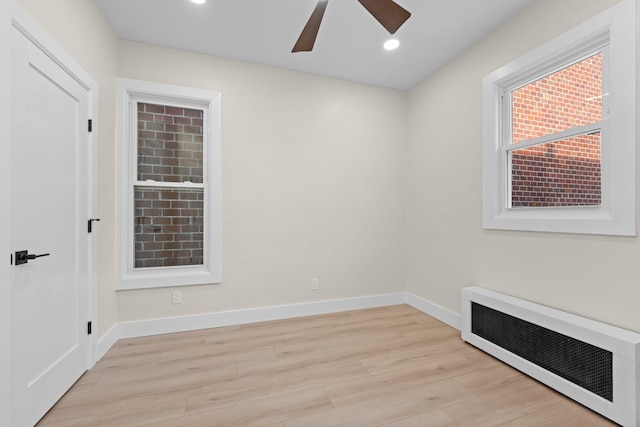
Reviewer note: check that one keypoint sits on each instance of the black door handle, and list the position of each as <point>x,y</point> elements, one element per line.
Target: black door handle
<point>23,257</point>
<point>33,256</point>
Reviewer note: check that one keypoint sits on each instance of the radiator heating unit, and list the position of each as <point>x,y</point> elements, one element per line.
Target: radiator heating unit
<point>591,362</point>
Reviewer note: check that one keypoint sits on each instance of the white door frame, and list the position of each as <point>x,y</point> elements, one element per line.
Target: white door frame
<point>5,175</point>
<point>12,16</point>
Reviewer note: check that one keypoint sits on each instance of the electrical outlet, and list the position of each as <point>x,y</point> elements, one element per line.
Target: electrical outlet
<point>314,285</point>
<point>176,297</point>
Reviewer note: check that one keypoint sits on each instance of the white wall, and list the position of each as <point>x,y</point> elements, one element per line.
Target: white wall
<point>593,276</point>
<point>315,183</point>
<point>313,173</point>
<point>313,177</point>
<point>312,181</point>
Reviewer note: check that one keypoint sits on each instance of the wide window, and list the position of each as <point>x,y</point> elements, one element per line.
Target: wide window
<point>169,228</point>
<point>559,133</point>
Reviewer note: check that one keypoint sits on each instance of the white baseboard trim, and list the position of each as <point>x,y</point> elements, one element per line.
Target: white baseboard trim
<point>434,310</point>
<point>106,341</point>
<point>142,328</point>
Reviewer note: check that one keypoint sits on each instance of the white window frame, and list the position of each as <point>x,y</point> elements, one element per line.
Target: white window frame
<point>615,28</point>
<point>129,93</point>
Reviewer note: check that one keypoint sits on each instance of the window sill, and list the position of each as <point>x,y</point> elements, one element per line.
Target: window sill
<point>165,277</point>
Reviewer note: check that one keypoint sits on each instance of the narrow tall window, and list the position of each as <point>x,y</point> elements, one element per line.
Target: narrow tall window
<point>170,199</point>
<point>169,189</point>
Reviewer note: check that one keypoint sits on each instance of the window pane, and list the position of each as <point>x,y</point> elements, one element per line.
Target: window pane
<point>168,228</point>
<point>562,100</point>
<point>559,173</point>
<point>169,143</point>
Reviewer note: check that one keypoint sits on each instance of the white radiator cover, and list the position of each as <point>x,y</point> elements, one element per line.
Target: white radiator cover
<point>623,344</point>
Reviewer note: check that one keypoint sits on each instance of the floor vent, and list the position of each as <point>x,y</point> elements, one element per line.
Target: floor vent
<point>591,362</point>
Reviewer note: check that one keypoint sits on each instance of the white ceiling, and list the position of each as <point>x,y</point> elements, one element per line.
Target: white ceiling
<point>349,43</point>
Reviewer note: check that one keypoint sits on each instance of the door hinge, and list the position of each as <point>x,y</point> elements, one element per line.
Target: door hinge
<point>90,126</point>
<point>89,224</point>
<point>88,328</point>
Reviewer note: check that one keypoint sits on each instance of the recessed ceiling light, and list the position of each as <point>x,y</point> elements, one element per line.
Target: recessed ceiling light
<point>391,44</point>
<point>198,1</point>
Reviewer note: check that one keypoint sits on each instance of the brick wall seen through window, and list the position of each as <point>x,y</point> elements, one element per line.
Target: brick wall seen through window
<point>565,172</point>
<point>168,227</point>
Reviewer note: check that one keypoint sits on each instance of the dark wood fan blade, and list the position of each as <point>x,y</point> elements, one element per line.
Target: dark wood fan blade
<point>308,36</point>
<point>389,13</point>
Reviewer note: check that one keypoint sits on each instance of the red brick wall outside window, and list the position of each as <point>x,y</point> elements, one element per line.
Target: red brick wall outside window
<point>562,172</point>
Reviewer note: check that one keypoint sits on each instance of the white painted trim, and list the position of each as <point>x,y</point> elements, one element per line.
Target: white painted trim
<point>168,325</point>
<point>38,36</point>
<point>262,314</point>
<point>616,215</point>
<point>5,211</point>
<point>106,341</point>
<point>623,344</point>
<point>93,213</point>
<point>434,310</point>
<point>210,101</point>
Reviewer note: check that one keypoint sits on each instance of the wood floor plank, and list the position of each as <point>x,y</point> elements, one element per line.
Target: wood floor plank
<point>514,398</point>
<point>388,408</point>
<point>396,380</point>
<point>560,413</point>
<point>277,384</point>
<point>131,412</point>
<point>435,418</point>
<point>255,413</point>
<point>389,366</point>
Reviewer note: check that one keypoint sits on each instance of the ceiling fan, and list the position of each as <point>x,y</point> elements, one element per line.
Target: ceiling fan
<point>390,14</point>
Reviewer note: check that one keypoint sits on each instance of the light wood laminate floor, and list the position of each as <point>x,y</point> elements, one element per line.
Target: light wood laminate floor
<point>390,366</point>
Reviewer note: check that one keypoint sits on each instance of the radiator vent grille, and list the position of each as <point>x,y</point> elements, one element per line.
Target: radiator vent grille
<point>583,364</point>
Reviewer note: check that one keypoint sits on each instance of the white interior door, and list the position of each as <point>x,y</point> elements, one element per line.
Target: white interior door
<point>49,211</point>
